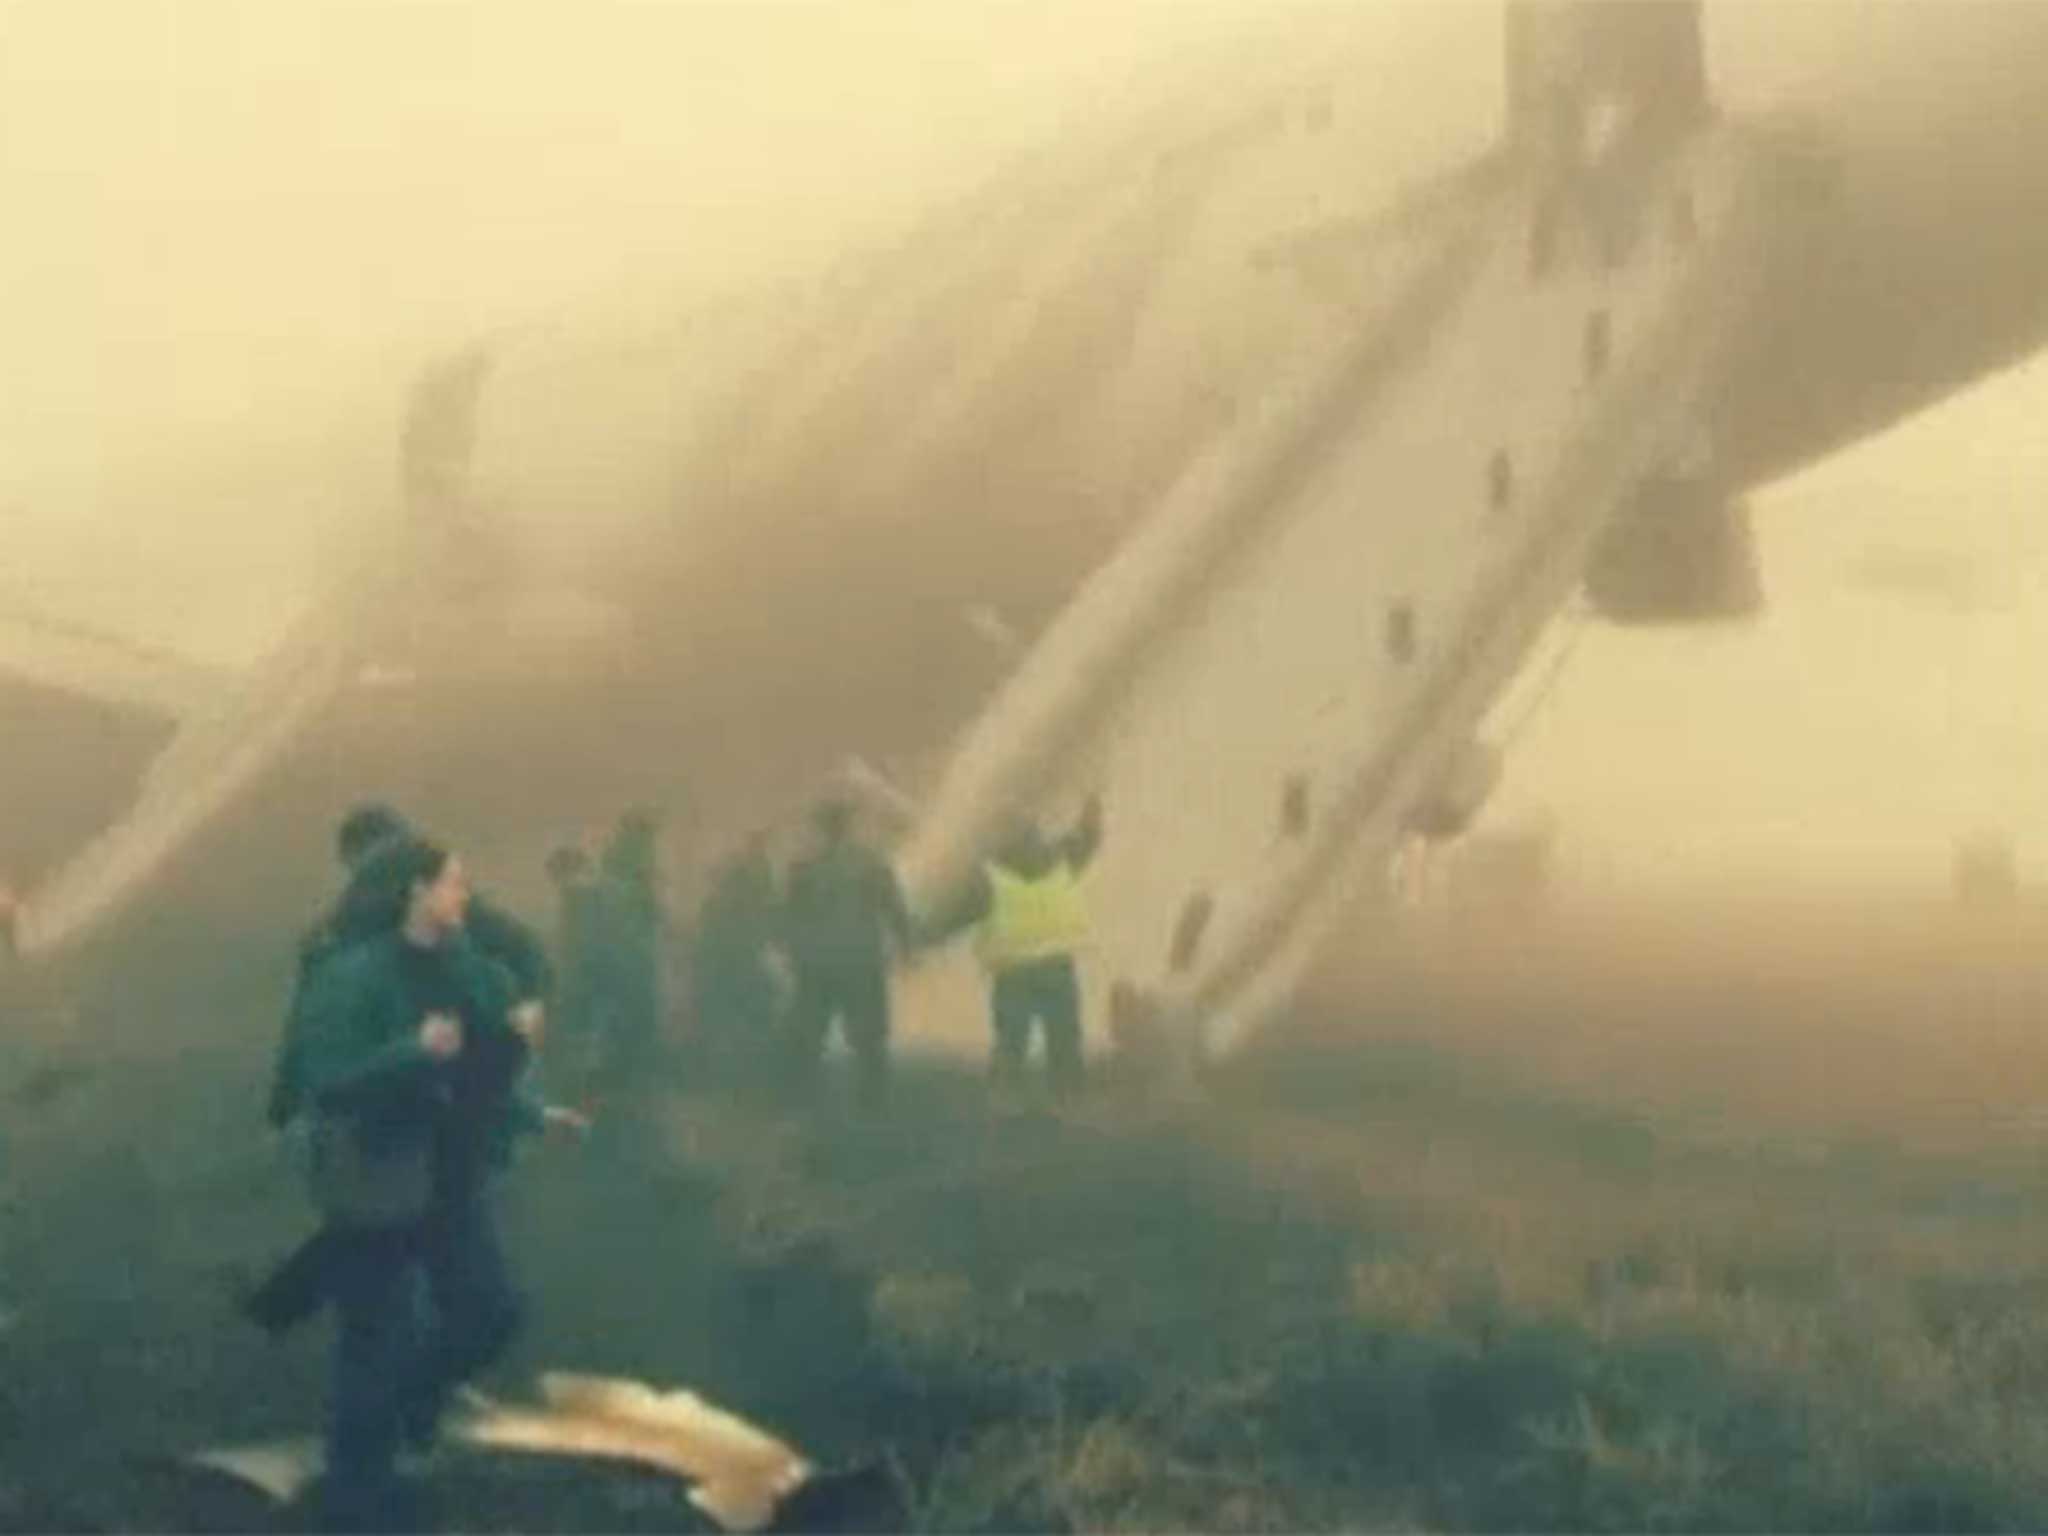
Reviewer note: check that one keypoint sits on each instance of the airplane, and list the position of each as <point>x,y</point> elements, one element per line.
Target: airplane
<point>1192,469</point>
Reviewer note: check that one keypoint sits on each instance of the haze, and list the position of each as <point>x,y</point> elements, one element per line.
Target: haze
<point>235,228</point>
<point>1675,1202</point>
<point>1882,708</point>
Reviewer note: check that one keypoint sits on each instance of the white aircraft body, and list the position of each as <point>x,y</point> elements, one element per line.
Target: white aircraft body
<point>1193,470</point>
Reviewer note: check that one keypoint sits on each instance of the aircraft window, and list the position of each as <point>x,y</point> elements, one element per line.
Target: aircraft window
<point>1599,343</point>
<point>1187,933</point>
<point>1401,632</point>
<point>1500,480</point>
<point>1294,807</point>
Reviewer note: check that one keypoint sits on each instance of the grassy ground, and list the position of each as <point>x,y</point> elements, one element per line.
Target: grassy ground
<point>1687,1220</point>
<point>1682,1222</point>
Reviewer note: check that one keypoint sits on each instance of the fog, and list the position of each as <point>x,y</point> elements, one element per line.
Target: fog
<point>1842,743</point>
<point>236,226</point>
<point>1655,1196</point>
<point>235,229</point>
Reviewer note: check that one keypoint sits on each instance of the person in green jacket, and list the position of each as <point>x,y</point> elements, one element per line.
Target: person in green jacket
<point>500,936</point>
<point>405,1047</point>
<point>296,1288</point>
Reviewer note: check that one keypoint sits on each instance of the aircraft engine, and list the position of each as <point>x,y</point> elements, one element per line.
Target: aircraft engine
<point>1684,553</point>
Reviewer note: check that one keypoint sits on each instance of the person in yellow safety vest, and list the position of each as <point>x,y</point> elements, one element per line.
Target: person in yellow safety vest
<point>1028,906</point>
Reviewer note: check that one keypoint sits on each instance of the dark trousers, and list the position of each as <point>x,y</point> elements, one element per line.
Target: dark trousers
<point>399,1353</point>
<point>474,1309</point>
<point>1045,991</point>
<point>369,1273</point>
<point>465,1264</point>
<point>857,996</point>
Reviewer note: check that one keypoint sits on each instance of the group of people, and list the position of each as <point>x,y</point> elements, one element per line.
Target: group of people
<point>779,963</point>
<point>407,1068</point>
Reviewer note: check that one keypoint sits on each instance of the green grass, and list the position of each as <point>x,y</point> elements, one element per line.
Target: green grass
<point>1644,1225</point>
<point>1383,1280</point>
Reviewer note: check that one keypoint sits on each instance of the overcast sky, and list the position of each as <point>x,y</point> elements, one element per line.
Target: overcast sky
<point>235,227</point>
<point>222,213</point>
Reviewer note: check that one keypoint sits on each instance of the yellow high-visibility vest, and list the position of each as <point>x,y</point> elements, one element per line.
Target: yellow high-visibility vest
<point>1032,919</point>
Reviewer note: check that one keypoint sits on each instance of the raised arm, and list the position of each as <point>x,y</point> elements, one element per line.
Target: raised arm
<point>970,907</point>
<point>1078,847</point>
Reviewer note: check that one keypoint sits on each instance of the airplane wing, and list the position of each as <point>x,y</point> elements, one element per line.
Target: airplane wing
<point>81,714</point>
<point>76,660</point>
<point>218,752</point>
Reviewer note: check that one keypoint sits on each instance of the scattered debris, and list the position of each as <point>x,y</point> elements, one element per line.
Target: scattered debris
<point>739,1475</point>
<point>283,1469</point>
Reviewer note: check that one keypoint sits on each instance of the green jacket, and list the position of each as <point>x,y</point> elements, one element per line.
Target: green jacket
<point>360,1059</point>
<point>493,932</point>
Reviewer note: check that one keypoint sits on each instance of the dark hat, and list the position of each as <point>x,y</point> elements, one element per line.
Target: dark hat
<point>365,826</point>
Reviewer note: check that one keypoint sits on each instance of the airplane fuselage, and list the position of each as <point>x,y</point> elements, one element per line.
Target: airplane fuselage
<point>733,554</point>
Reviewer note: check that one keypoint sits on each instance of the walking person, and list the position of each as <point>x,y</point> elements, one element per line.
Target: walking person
<point>402,1037</point>
<point>297,1287</point>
